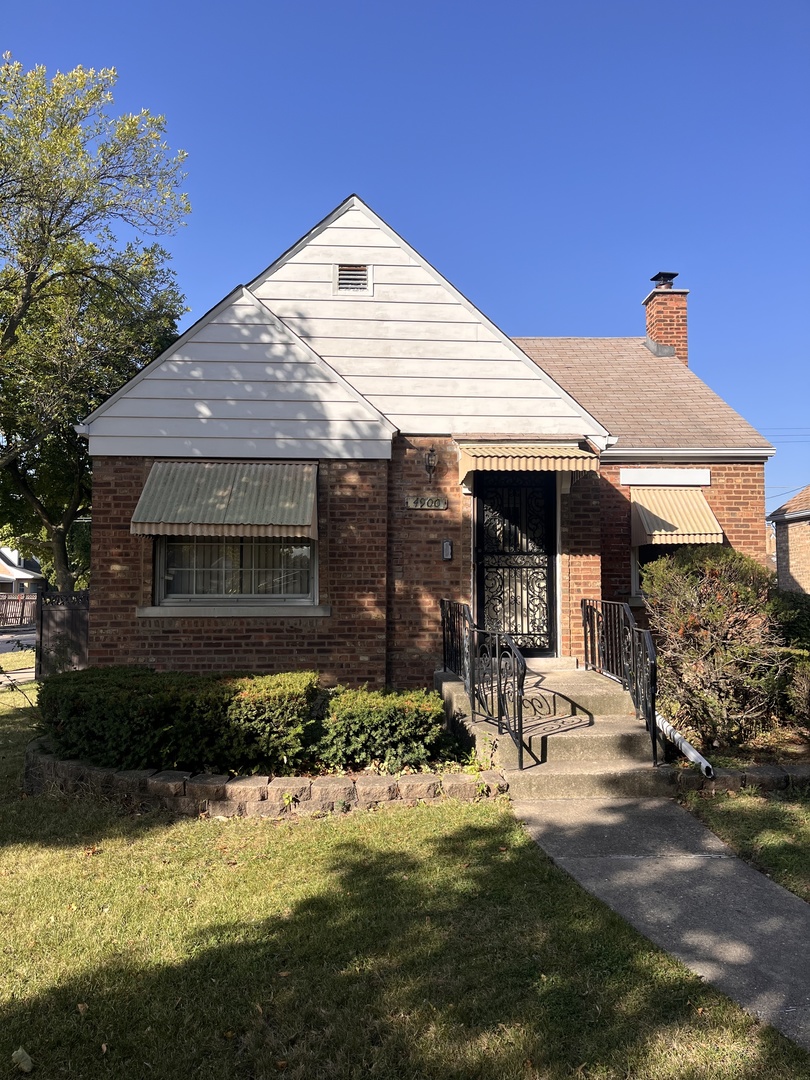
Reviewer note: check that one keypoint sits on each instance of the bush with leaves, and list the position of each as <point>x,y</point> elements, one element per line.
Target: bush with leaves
<point>393,730</point>
<point>271,720</point>
<point>723,669</point>
<point>134,718</point>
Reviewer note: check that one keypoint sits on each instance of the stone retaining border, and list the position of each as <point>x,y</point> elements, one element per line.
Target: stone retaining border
<point>218,795</point>
<point>765,777</point>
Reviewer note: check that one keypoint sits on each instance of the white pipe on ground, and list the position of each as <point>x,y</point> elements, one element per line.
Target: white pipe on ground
<point>684,746</point>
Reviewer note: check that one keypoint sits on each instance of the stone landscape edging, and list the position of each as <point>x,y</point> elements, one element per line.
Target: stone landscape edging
<point>764,777</point>
<point>220,795</point>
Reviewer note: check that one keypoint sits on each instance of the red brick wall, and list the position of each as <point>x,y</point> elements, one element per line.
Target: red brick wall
<point>418,577</point>
<point>666,320</point>
<point>380,569</point>
<point>348,646</point>
<point>793,555</point>
<point>736,495</point>
<point>580,558</point>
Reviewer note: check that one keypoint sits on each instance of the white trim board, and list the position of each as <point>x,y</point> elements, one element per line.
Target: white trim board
<point>665,477</point>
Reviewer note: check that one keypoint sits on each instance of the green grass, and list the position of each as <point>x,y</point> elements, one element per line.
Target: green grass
<point>769,830</point>
<point>436,942</point>
<point>17,660</point>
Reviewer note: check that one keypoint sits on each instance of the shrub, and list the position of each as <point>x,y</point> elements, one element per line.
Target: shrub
<point>133,718</point>
<point>799,692</point>
<point>271,719</point>
<point>366,727</point>
<point>723,667</point>
<point>792,612</point>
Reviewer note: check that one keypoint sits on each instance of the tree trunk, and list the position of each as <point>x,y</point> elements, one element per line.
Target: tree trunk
<point>65,580</point>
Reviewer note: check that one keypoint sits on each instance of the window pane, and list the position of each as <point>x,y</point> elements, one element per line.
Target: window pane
<point>249,567</point>
<point>179,578</point>
<point>218,566</point>
<point>282,569</point>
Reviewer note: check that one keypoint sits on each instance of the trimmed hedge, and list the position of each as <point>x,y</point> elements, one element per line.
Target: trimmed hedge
<point>133,718</point>
<point>136,718</point>
<point>271,720</point>
<point>367,727</point>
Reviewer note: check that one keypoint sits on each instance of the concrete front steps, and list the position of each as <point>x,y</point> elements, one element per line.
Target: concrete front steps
<point>592,745</point>
<point>581,738</point>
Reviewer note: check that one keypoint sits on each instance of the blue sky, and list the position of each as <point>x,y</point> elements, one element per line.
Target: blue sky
<point>547,158</point>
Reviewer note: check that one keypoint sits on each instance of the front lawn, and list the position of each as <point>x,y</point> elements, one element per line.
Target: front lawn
<point>769,830</point>
<point>436,942</point>
<point>17,660</point>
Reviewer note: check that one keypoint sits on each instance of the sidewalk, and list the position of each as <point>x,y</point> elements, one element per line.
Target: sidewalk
<point>678,884</point>
<point>27,637</point>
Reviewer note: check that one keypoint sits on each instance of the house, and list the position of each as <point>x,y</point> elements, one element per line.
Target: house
<point>19,575</point>
<point>347,439</point>
<point>792,524</point>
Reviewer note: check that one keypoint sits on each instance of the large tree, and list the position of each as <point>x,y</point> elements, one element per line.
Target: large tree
<point>84,300</point>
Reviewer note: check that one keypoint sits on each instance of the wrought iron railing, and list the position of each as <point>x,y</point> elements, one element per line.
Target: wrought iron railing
<point>17,610</point>
<point>490,665</point>
<point>617,646</point>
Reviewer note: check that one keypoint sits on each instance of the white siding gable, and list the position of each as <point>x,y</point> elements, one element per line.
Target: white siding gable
<point>239,384</point>
<point>413,346</point>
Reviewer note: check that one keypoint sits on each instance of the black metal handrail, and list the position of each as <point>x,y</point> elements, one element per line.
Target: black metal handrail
<point>616,646</point>
<point>491,666</point>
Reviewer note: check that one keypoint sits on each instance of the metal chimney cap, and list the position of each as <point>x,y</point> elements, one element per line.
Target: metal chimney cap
<point>663,278</point>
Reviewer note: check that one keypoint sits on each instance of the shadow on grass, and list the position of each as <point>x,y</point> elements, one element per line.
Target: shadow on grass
<point>771,831</point>
<point>476,961</point>
<point>53,821</point>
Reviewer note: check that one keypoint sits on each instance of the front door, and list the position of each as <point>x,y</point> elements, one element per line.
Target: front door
<point>514,556</point>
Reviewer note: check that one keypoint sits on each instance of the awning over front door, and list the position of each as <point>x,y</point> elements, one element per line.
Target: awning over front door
<point>524,457</point>
<point>672,515</point>
<point>228,498</point>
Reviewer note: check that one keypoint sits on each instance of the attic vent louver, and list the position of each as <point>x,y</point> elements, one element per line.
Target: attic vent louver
<point>352,277</point>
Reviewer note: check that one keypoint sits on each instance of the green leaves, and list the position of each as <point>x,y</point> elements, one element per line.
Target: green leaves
<point>723,668</point>
<point>84,301</point>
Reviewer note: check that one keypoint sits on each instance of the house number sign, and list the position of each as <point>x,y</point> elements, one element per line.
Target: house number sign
<point>426,502</point>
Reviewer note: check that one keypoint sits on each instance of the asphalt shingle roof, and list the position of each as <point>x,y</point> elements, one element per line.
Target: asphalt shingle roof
<point>799,504</point>
<point>647,401</point>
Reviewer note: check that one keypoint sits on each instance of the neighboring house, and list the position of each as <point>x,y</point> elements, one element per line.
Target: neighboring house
<point>336,446</point>
<point>792,523</point>
<point>18,574</point>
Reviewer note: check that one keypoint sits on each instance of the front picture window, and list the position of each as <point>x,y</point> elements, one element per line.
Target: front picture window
<point>254,566</point>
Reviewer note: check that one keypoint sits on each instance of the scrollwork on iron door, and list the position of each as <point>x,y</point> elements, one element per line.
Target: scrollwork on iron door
<point>514,557</point>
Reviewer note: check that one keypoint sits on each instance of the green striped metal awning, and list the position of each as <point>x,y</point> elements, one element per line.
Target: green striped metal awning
<point>228,498</point>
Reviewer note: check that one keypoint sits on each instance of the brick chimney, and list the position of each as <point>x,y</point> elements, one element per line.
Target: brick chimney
<point>666,317</point>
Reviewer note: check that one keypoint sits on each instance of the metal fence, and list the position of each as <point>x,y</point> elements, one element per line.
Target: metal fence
<point>19,610</point>
<point>491,666</point>
<point>616,646</point>
<point>63,626</point>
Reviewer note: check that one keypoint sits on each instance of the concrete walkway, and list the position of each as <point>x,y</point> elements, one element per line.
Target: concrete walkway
<point>27,638</point>
<point>678,884</point>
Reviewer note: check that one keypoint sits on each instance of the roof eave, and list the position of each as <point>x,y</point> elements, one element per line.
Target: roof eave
<point>629,454</point>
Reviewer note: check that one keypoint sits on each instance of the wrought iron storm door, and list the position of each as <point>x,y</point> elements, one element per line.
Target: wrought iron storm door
<point>515,534</point>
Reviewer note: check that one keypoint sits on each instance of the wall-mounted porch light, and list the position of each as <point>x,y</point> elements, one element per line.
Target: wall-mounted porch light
<point>430,462</point>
